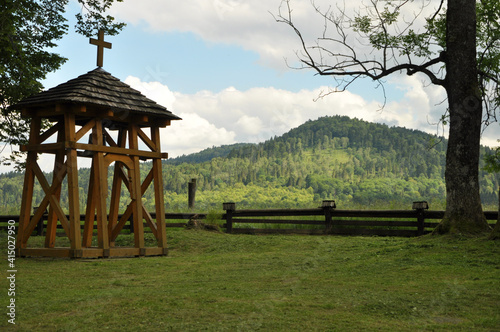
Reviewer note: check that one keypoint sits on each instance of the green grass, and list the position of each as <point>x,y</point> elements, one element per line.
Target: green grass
<point>218,282</point>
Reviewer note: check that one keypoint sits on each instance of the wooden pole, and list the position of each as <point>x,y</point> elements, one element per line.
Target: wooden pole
<point>29,182</point>
<point>420,208</point>
<point>191,193</point>
<point>116,187</point>
<point>230,208</point>
<point>73,189</point>
<point>135,192</point>
<point>50,232</point>
<point>158,188</point>
<point>101,173</point>
<point>328,206</point>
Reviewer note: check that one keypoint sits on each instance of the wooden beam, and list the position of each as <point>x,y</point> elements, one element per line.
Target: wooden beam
<point>119,226</point>
<point>147,182</point>
<point>43,148</point>
<point>54,147</point>
<point>29,183</point>
<point>149,222</point>
<point>101,172</point>
<point>49,194</point>
<point>151,145</point>
<point>125,160</point>
<point>88,228</point>
<point>158,189</point>
<point>49,132</point>
<point>36,218</point>
<point>135,192</point>
<point>162,123</point>
<point>125,178</point>
<point>140,118</point>
<point>78,109</point>
<point>109,139</point>
<point>114,150</point>
<point>85,129</point>
<point>73,190</point>
<point>57,178</point>
<point>116,187</point>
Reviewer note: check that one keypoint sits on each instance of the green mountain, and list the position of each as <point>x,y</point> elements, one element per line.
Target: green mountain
<point>357,163</point>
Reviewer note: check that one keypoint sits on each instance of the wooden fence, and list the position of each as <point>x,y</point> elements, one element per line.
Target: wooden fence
<point>322,220</point>
<point>328,220</point>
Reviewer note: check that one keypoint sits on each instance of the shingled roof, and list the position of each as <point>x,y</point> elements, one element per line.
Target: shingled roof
<point>98,88</point>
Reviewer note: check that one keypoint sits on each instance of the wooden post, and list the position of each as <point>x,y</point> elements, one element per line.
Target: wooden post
<point>51,229</point>
<point>73,189</point>
<point>158,187</point>
<point>230,208</point>
<point>420,208</point>
<point>136,192</point>
<point>116,187</point>
<point>101,173</point>
<point>191,193</point>
<point>328,206</point>
<point>29,182</point>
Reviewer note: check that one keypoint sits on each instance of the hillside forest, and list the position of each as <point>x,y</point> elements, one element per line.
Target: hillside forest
<point>356,163</point>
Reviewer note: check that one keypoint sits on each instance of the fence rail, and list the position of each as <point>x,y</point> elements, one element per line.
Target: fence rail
<point>323,220</point>
<point>329,220</point>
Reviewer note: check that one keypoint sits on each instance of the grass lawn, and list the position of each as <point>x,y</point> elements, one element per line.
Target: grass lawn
<point>218,282</point>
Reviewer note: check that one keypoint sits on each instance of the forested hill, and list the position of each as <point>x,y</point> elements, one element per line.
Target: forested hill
<point>352,161</point>
<point>394,149</point>
<point>206,155</point>
<point>359,164</point>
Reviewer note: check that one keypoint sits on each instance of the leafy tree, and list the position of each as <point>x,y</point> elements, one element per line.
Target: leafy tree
<point>459,50</point>
<point>28,29</point>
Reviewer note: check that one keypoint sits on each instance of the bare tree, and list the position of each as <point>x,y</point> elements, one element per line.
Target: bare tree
<point>458,49</point>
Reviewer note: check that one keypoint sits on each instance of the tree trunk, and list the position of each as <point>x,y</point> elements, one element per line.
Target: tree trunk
<point>464,212</point>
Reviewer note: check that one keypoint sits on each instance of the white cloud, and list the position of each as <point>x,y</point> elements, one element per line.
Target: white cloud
<point>193,134</point>
<point>230,116</point>
<point>252,25</point>
<point>236,22</point>
<point>161,94</point>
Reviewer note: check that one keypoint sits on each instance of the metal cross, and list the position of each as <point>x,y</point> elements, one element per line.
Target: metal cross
<point>100,43</point>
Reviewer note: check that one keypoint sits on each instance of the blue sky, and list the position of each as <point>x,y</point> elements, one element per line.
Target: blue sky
<point>219,64</point>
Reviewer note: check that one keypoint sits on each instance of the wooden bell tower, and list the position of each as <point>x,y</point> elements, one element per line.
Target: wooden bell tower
<point>93,116</point>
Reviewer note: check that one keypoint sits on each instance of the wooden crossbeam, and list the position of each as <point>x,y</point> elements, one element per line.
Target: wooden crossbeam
<point>59,165</point>
<point>149,222</point>
<point>49,190</point>
<point>49,132</point>
<point>85,129</point>
<point>116,186</point>
<point>147,181</point>
<point>119,226</point>
<point>109,139</point>
<point>151,145</point>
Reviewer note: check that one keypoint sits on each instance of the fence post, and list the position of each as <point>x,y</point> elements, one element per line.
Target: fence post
<point>191,193</point>
<point>328,206</point>
<point>420,208</point>
<point>230,208</point>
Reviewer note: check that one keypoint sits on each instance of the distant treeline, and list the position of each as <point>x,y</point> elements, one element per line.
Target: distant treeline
<point>357,163</point>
